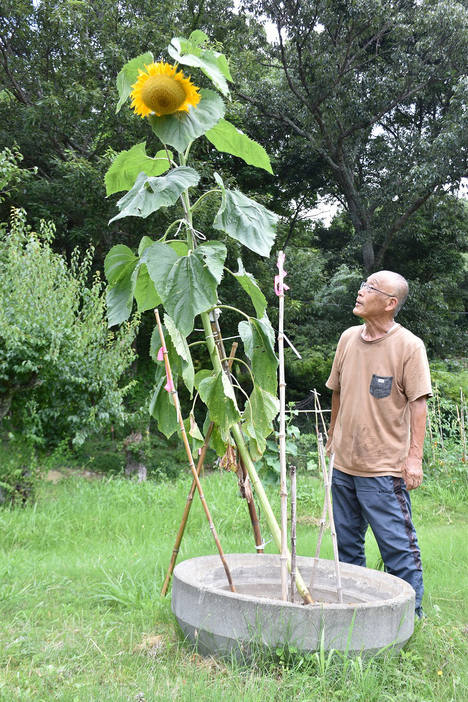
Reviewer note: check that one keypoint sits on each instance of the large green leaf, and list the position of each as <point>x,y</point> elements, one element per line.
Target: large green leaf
<point>246,221</point>
<point>162,406</point>
<point>212,63</point>
<point>259,413</point>
<point>120,301</point>
<point>259,338</point>
<point>128,75</point>
<point>181,128</point>
<point>250,286</point>
<point>218,395</point>
<point>150,194</point>
<point>119,263</point>
<point>119,266</point>
<point>128,164</point>
<point>159,259</point>
<point>190,290</point>
<point>144,291</point>
<point>184,283</point>
<point>182,349</point>
<point>226,137</point>
<point>214,254</point>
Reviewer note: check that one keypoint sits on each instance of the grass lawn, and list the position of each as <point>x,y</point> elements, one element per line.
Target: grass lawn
<point>82,619</point>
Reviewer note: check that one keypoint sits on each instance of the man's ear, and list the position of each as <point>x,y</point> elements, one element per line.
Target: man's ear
<point>391,304</point>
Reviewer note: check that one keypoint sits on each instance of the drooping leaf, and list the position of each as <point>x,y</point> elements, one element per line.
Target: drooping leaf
<point>250,286</point>
<point>190,290</point>
<point>128,75</point>
<point>119,263</point>
<point>128,164</point>
<point>184,283</point>
<point>162,406</point>
<point>119,266</point>
<point>217,393</point>
<point>181,128</point>
<point>246,221</point>
<point>217,442</point>
<point>150,194</point>
<point>192,431</point>
<point>159,259</point>
<point>120,301</point>
<point>144,291</point>
<point>214,254</point>
<point>182,348</point>
<point>259,413</point>
<point>212,63</point>
<point>259,338</point>
<point>227,138</point>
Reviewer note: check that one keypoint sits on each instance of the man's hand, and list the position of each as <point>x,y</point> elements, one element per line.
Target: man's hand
<point>412,473</point>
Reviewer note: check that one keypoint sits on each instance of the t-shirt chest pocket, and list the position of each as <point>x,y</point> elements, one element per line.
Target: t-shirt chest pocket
<point>381,386</point>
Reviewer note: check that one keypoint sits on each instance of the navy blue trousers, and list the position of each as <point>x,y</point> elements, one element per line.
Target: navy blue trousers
<point>385,505</point>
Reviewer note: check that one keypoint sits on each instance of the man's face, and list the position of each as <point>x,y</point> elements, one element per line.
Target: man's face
<point>373,297</point>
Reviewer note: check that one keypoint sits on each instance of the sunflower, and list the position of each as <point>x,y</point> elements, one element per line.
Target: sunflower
<point>163,90</point>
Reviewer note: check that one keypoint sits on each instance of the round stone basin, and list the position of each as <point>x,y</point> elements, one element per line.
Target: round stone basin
<point>377,611</point>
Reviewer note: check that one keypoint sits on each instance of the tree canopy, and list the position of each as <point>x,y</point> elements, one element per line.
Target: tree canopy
<point>378,91</point>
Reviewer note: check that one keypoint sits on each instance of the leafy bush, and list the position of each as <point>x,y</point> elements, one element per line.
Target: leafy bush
<point>60,368</point>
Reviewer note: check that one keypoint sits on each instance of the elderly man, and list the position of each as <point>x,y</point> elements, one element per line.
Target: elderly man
<point>380,381</point>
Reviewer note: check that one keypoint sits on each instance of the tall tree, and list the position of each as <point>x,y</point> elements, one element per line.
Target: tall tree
<point>379,92</point>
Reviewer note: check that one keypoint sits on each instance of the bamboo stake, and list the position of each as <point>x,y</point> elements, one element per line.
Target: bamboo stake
<point>218,339</point>
<point>293,530</point>
<point>323,521</point>
<point>239,439</point>
<point>282,434</point>
<point>189,453</point>
<point>461,422</point>
<point>331,520</point>
<point>318,409</point>
<point>188,506</point>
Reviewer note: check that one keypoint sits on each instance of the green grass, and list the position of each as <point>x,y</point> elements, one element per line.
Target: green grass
<point>81,618</point>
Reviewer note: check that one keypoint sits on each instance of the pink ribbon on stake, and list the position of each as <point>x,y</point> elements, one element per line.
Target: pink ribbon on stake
<point>280,285</point>
<point>169,386</point>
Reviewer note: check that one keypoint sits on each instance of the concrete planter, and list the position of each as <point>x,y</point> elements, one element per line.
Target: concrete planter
<point>378,609</point>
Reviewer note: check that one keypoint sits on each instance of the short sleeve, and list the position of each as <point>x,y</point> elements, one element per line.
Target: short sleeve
<point>416,375</point>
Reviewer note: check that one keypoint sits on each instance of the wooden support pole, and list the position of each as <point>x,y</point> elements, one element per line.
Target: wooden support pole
<point>327,483</point>
<point>282,437</point>
<point>188,506</point>
<point>293,530</point>
<point>218,339</point>
<point>189,454</point>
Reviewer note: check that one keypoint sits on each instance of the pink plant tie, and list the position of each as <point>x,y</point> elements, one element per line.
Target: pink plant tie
<point>169,386</point>
<point>161,353</point>
<point>280,285</point>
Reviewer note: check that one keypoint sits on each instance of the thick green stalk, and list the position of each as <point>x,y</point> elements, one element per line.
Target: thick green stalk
<point>253,475</point>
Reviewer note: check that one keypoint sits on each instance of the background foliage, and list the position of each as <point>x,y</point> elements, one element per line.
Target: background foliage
<point>366,105</point>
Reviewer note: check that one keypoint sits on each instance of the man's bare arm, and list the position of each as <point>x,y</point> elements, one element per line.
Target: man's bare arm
<point>412,468</point>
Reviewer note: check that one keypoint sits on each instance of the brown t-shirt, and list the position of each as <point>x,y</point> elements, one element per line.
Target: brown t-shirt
<point>376,381</point>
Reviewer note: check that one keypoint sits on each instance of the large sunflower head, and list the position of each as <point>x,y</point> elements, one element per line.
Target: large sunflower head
<point>162,89</point>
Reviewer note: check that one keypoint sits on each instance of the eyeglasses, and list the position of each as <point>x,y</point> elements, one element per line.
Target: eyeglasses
<point>371,288</point>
